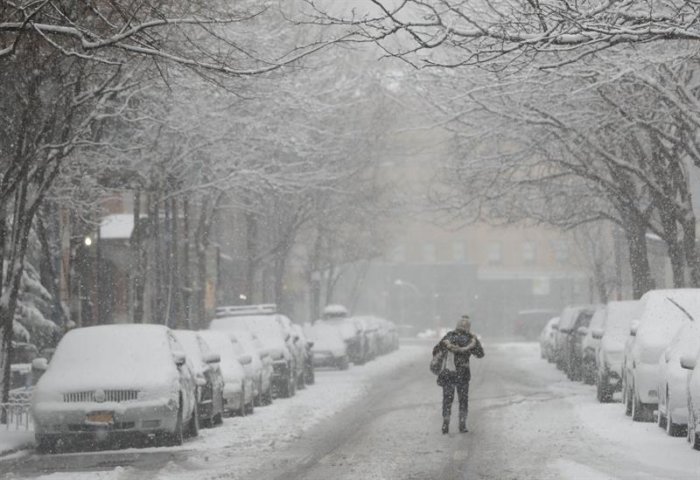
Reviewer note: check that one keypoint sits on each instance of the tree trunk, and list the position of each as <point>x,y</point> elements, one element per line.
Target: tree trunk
<point>187,287</point>
<point>690,250</point>
<point>642,281</point>
<point>251,253</point>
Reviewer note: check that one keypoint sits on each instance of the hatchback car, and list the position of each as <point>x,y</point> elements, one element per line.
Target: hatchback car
<point>262,364</point>
<point>692,366</point>
<point>661,315</point>
<point>261,321</point>
<point>613,335</point>
<point>547,339</point>
<point>239,391</point>
<point>673,402</point>
<point>210,382</point>
<point>329,349</point>
<point>115,381</point>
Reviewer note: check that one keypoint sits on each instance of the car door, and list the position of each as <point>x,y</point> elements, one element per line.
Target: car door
<point>188,385</point>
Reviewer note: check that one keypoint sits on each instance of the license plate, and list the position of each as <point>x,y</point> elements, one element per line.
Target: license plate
<point>105,418</point>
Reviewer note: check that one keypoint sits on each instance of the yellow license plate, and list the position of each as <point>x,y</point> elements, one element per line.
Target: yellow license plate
<point>101,417</point>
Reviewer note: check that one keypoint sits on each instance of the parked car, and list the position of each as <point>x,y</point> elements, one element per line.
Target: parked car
<point>297,345</point>
<point>115,381</point>
<point>590,345</point>
<point>547,339</point>
<point>569,337</point>
<point>239,391</point>
<point>338,317</point>
<point>204,362</point>
<point>567,321</point>
<point>690,364</point>
<point>261,320</point>
<point>329,349</point>
<point>613,334</point>
<point>661,315</point>
<point>529,323</point>
<point>253,346</point>
<point>673,379</point>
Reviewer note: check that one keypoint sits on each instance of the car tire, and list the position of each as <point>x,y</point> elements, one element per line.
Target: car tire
<point>672,429</point>
<point>640,411</point>
<point>45,444</point>
<point>661,419</point>
<point>602,388</point>
<point>693,435</point>
<point>626,398</point>
<point>176,437</point>
<point>193,426</point>
<point>310,376</point>
<point>242,407</point>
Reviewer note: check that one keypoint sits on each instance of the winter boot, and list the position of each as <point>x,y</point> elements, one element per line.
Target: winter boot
<point>463,425</point>
<point>446,425</point>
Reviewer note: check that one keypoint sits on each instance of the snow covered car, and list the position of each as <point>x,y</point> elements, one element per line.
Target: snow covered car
<point>115,381</point>
<point>261,320</point>
<point>569,337</point>
<point>590,346</point>
<point>239,388</point>
<point>337,316</point>
<point>547,339</point>
<point>661,315</point>
<point>297,345</point>
<point>613,334</point>
<point>329,349</point>
<point>691,365</point>
<point>567,321</point>
<point>673,378</point>
<point>207,373</point>
<point>261,363</point>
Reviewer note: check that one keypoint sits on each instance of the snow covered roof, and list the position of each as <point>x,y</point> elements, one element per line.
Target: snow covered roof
<point>117,226</point>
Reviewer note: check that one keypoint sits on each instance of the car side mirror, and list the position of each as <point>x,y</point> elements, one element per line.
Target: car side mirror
<point>310,344</point>
<point>688,362</point>
<point>179,358</point>
<point>583,331</point>
<point>212,358</point>
<point>598,333</point>
<point>245,359</point>
<point>40,364</point>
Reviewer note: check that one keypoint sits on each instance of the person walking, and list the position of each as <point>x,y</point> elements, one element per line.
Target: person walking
<point>456,347</point>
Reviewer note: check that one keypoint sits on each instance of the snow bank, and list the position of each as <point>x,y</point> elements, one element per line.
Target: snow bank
<point>11,441</point>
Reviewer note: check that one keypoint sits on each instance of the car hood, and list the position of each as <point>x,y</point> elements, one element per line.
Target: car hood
<point>91,379</point>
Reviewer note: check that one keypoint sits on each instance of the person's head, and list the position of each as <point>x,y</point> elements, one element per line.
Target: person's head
<point>464,324</point>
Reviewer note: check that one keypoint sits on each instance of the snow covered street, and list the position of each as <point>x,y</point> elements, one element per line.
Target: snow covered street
<point>382,421</point>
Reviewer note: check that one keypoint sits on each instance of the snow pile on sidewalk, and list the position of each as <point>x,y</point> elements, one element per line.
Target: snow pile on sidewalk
<point>242,444</point>
<point>13,440</point>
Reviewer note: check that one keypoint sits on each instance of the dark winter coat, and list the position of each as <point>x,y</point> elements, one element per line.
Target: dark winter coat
<point>459,371</point>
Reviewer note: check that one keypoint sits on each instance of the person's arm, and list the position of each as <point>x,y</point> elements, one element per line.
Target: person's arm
<point>456,349</point>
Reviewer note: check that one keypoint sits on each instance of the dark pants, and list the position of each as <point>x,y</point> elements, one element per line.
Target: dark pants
<point>448,396</point>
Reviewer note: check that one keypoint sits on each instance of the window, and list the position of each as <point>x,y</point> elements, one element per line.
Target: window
<point>529,251</point>
<point>494,253</point>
